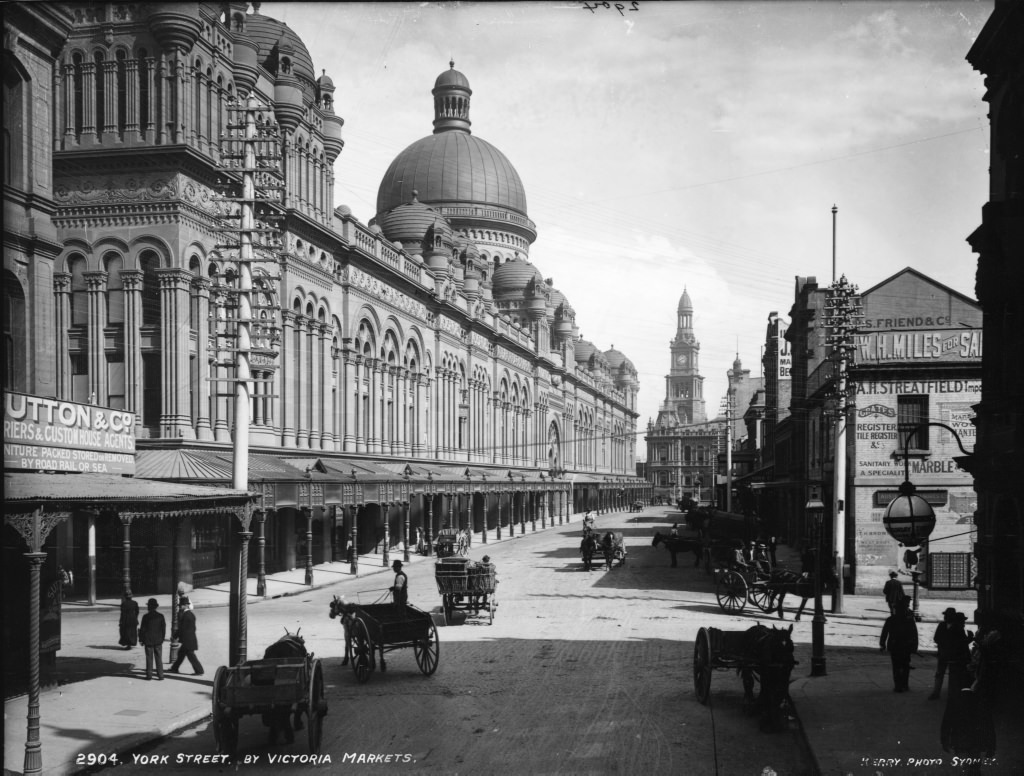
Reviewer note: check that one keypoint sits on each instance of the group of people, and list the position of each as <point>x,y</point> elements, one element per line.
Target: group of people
<point>151,632</point>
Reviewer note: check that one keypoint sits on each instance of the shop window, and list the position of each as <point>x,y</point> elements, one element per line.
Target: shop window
<point>15,334</point>
<point>115,291</point>
<point>911,412</point>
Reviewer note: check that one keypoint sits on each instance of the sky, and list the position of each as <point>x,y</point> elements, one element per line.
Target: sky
<point>687,145</point>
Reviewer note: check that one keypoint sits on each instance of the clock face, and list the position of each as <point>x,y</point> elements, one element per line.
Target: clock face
<point>681,360</point>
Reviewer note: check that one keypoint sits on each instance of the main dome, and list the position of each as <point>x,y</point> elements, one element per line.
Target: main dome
<point>452,167</point>
<point>467,179</point>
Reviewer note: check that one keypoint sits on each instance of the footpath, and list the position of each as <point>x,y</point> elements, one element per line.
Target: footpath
<point>851,719</point>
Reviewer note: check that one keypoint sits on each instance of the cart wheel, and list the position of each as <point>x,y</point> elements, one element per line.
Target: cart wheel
<point>317,708</point>
<point>491,606</point>
<point>427,651</point>
<point>225,727</point>
<point>702,666</point>
<point>732,592</point>
<point>761,596</point>
<point>362,651</point>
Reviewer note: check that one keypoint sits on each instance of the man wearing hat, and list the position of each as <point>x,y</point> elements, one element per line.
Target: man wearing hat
<point>893,592</point>
<point>187,641</point>
<point>400,590</point>
<point>152,632</point>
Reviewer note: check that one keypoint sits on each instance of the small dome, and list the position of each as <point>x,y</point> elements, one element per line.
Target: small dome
<point>343,210</point>
<point>514,276</point>
<point>617,359</point>
<point>685,305</point>
<point>452,77</point>
<point>410,223</point>
<point>277,40</point>
<point>324,82</point>
<point>583,351</point>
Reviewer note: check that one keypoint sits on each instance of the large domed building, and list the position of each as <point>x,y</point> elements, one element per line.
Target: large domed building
<point>402,362</point>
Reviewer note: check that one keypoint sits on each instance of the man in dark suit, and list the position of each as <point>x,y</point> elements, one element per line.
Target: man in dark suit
<point>188,643</point>
<point>152,632</point>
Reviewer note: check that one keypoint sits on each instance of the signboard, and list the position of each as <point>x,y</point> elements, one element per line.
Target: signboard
<point>43,434</point>
<point>935,346</point>
<point>785,350</point>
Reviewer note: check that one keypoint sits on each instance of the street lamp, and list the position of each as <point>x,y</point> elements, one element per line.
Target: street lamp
<point>430,517</point>
<point>408,508</point>
<point>817,509</point>
<point>909,518</point>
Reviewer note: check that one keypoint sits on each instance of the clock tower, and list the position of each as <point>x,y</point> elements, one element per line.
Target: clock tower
<point>684,386</point>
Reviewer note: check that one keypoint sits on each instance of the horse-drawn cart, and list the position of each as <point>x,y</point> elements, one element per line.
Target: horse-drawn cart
<point>760,654</point>
<point>380,628</point>
<point>276,688</point>
<point>467,586</point>
<point>763,589</point>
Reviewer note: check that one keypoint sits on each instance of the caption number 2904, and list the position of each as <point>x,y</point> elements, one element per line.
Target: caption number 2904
<point>620,7</point>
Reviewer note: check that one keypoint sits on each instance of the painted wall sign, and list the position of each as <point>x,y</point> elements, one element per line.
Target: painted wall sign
<point>42,434</point>
<point>916,346</point>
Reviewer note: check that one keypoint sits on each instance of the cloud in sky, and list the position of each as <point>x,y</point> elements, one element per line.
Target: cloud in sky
<point>687,144</point>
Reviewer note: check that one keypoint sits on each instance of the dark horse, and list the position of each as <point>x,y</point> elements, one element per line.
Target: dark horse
<point>784,582</point>
<point>347,613</point>
<point>589,547</point>
<point>677,544</point>
<point>290,645</point>
<point>766,656</point>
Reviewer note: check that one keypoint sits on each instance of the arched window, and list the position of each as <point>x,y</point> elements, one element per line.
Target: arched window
<point>150,289</point>
<point>15,334</point>
<point>115,289</point>
<point>77,61</point>
<point>14,126</point>
<point>79,292</point>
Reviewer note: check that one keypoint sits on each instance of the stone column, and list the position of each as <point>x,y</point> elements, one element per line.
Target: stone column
<point>175,419</point>
<point>347,390</point>
<point>131,282</point>
<point>109,76</point>
<point>418,443</point>
<point>201,291</point>
<point>88,136</point>
<point>358,411</point>
<point>303,326</point>
<point>286,379</point>
<point>131,100</point>
<point>96,282</point>
<point>332,395</point>
<point>376,392</point>
<point>62,321</point>
<point>68,84</point>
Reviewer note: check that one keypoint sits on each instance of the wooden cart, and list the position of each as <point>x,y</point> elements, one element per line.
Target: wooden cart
<point>380,628</point>
<point>277,687</point>
<point>467,586</point>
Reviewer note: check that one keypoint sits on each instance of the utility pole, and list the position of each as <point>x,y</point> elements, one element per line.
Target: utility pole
<point>842,317</point>
<point>252,188</point>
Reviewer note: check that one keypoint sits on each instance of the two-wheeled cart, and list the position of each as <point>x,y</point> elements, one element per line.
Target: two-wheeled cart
<point>272,687</point>
<point>380,628</point>
<point>467,586</point>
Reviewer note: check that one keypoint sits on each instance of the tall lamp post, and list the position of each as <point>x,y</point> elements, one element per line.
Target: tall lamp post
<point>816,507</point>
<point>909,518</point>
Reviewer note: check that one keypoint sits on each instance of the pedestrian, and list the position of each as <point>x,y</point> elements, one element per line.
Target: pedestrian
<point>893,591</point>
<point>400,590</point>
<point>128,626</point>
<point>772,550</point>
<point>152,633</point>
<point>674,531</point>
<point>899,637</point>
<point>954,652</point>
<point>188,643</point>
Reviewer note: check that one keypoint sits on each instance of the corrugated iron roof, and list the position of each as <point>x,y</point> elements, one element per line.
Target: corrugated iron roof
<point>31,486</point>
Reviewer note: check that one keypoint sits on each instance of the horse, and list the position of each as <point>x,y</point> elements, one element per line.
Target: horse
<point>588,549</point>
<point>347,612</point>
<point>765,656</point>
<point>608,548</point>
<point>801,585</point>
<point>677,544</point>
<point>290,645</point>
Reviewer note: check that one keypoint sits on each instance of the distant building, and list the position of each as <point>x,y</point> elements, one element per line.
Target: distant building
<point>682,445</point>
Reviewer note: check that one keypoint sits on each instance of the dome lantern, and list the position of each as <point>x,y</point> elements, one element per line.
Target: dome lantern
<point>451,101</point>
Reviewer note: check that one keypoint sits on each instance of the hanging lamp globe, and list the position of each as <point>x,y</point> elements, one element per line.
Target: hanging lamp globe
<point>909,518</point>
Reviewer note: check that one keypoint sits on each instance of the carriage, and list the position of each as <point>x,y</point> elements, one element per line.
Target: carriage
<point>467,586</point>
<point>277,688</point>
<point>375,629</point>
<point>611,545</point>
<point>450,543</point>
<point>759,654</point>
